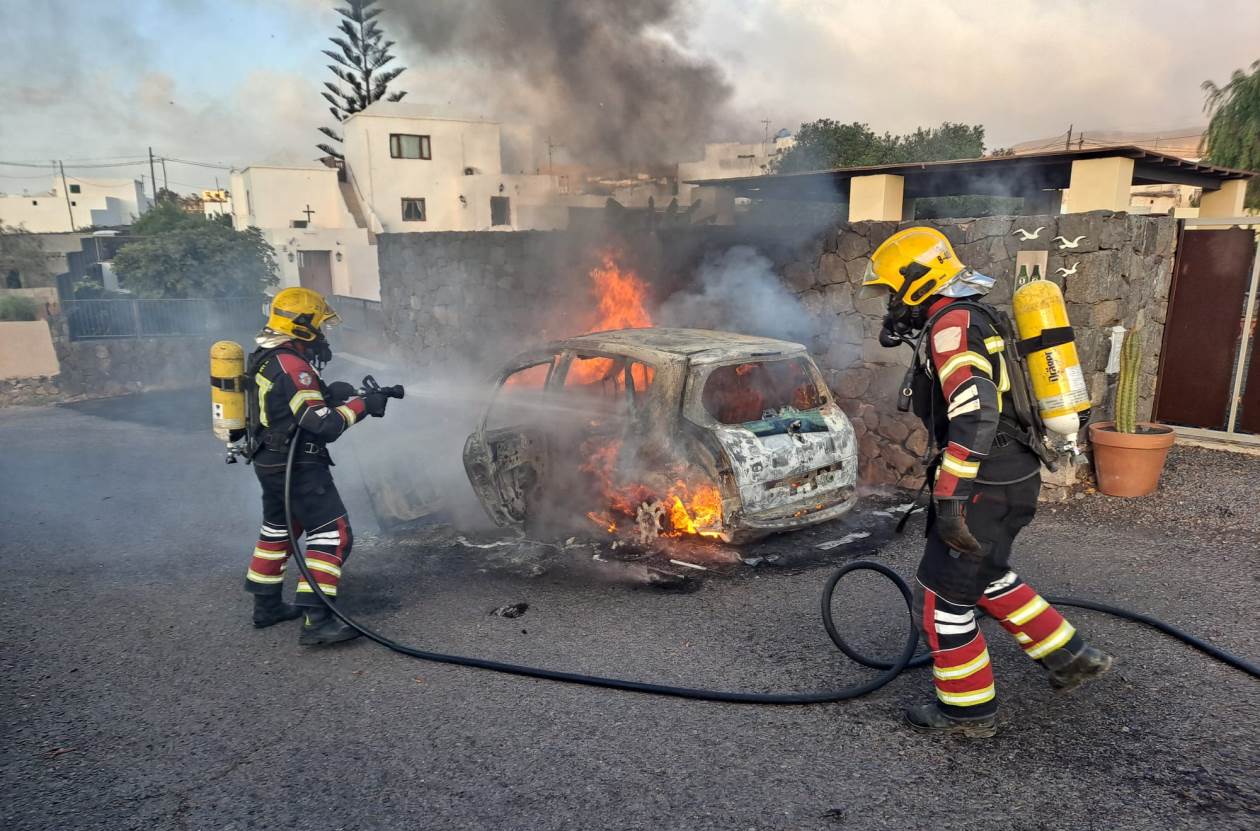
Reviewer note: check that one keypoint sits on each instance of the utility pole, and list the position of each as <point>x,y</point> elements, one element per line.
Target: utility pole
<point>1067,145</point>
<point>766,122</point>
<point>66,190</point>
<point>153,176</point>
<point>164,185</point>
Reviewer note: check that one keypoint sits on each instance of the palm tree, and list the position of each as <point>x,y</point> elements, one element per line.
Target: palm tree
<point>358,66</point>
<point>1233,134</point>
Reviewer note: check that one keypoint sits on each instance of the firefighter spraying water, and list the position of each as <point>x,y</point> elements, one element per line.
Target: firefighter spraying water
<point>261,408</point>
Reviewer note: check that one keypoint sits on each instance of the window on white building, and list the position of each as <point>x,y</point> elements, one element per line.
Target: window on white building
<point>404,146</point>
<point>500,210</point>
<point>74,188</point>
<point>413,209</point>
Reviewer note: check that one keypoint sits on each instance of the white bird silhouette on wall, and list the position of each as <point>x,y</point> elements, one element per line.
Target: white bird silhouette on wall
<point>1069,243</point>
<point>1068,272</point>
<point>1025,236</point>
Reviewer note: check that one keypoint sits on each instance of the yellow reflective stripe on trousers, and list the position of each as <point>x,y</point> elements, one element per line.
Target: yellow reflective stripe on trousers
<point>270,555</point>
<point>317,565</point>
<point>255,577</point>
<point>1060,637</point>
<point>961,469</point>
<point>1028,611</point>
<point>967,699</point>
<point>966,359</point>
<point>301,397</point>
<point>264,387</point>
<point>303,586</point>
<point>963,670</point>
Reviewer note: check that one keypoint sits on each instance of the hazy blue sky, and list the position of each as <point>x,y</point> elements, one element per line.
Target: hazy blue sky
<point>233,81</point>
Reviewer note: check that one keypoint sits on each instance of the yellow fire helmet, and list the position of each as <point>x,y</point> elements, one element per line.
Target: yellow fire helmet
<point>913,265</point>
<point>300,313</point>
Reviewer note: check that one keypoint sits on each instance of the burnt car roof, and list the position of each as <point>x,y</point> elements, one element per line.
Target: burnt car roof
<point>700,345</point>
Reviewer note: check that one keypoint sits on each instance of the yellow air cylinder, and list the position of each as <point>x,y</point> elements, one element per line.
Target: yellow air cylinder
<point>1055,370</point>
<point>227,388</point>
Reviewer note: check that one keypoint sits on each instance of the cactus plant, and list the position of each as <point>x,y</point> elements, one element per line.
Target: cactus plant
<point>1127,390</point>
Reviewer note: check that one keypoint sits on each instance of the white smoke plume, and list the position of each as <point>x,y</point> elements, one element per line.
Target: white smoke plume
<point>738,291</point>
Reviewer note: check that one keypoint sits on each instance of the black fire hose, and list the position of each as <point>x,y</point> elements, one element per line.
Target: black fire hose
<point>891,669</point>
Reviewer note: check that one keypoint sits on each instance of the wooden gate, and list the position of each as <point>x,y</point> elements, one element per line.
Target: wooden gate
<point>315,271</point>
<point>1209,378</point>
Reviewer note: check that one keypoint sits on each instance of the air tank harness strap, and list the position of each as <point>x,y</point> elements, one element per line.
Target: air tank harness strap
<point>236,384</point>
<point>1048,338</point>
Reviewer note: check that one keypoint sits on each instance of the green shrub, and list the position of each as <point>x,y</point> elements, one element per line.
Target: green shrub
<point>18,307</point>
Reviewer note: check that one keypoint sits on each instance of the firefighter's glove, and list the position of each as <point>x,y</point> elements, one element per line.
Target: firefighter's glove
<point>374,403</point>
<point>951,527</point>
<point>339,392</point>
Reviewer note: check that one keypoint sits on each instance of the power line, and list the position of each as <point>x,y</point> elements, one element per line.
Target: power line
<point>201,164</point>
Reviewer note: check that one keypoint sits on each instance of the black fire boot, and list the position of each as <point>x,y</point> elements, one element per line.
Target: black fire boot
<point>928,718</point>
<point>1086,666</point>
<point>321,627</point>
<point>269,610</point>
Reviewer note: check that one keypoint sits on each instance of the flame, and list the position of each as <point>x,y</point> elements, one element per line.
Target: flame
<point>693,505</point>
<point>621,297</point>
<point>700,513</point>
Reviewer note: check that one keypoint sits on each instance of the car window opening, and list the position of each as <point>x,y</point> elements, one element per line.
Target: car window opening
<point>609,379</point>
<point>521,391</point>
<point>761,394</point>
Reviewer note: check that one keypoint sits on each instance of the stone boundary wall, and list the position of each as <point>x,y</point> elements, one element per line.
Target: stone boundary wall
<point>116,366</point>
<point>465,302</point>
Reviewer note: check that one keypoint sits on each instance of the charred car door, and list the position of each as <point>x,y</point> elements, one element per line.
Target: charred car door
<point>506,456</point>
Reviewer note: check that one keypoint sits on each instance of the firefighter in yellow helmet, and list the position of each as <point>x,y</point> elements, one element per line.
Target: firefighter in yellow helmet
<point>985,479</point>
<point>288,394</point>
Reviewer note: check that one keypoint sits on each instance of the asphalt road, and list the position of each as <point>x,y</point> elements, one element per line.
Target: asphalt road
<point>136,694</point>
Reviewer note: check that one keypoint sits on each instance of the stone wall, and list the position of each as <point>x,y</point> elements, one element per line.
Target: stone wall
<point>471,300</point>
<point>115,366</point>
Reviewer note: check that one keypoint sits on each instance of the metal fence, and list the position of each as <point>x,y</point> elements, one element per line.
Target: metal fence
<point>98,319</point>
<point>357,314</point>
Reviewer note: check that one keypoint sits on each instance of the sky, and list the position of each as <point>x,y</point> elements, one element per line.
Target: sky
<point>233,82</point>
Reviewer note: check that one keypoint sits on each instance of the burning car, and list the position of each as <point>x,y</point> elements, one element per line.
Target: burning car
<point>654,431</point>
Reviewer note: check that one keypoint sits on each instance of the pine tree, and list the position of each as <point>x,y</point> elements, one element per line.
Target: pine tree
<point>1233,135</point>
<point>358,66</point>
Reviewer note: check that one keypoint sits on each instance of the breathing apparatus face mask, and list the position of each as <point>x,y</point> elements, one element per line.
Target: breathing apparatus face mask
<point>901,323</point>
<point>321,351</point>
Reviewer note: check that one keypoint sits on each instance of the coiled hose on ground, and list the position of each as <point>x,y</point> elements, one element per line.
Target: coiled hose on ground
<point>889,669</point>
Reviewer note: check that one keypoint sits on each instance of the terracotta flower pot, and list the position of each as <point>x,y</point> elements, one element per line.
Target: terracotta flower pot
<point>1129,464</point>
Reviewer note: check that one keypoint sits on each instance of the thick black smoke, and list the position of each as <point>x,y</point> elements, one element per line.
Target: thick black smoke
<point>607,78</point>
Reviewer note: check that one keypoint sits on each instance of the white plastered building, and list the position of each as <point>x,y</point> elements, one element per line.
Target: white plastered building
<point>82,203</point>
<point>417,173</point>
<point>303,213</point>
<point>403,172</point>
<point>729,160</point>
